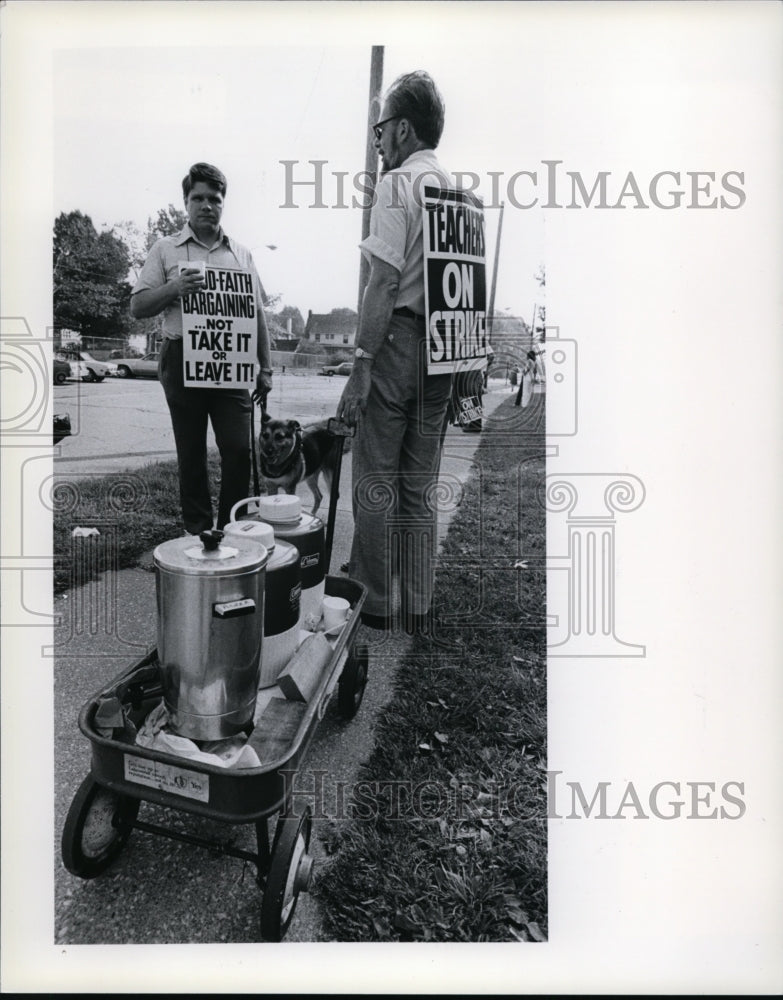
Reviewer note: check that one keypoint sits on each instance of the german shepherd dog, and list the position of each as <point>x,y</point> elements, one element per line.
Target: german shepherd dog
<point>290,453</point>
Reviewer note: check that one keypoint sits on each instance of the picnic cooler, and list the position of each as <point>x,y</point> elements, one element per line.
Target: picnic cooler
<point>210,598</point>
<point>282,598</point>
<point>307,532</point>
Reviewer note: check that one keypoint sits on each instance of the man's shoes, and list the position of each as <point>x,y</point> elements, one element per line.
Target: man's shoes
<point>423,624</point>
<point>383,623</point>
<point>431,626</point>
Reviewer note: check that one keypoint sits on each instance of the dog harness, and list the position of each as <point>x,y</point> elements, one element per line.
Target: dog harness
<point>276,471</point>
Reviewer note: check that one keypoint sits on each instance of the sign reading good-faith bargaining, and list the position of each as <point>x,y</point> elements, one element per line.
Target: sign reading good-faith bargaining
<point>455,286</point>
<point>219,330</point>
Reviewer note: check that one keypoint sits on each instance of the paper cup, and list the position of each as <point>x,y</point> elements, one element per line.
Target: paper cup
<point>200,266</point>
<point>335,611</point>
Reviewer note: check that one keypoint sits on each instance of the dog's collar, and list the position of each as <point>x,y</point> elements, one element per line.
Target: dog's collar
<point>276,471</point>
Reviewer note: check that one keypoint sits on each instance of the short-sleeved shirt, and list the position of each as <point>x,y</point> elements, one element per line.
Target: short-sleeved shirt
<point>162,265</point>
<point>396,223</point>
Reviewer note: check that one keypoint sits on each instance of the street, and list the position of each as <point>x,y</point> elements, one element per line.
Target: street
<point>123,423</point>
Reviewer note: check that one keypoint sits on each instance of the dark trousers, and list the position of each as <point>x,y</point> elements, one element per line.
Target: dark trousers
<point>396,459</point>
<point>190,408</point>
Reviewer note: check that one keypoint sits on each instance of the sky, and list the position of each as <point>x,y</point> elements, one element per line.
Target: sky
<point>129,121</point>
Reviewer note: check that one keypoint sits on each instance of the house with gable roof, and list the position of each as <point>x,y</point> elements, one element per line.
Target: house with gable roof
<point>329,334</point>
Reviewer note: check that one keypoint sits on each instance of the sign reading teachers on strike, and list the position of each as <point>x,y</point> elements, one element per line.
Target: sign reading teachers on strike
<point>219,330</point>
<point>455,285</point>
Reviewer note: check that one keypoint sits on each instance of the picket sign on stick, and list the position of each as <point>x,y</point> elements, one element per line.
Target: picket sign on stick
<point>455,281</point>
<point>220,330</point>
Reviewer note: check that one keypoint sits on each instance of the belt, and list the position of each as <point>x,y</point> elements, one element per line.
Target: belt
<point>407,313</point>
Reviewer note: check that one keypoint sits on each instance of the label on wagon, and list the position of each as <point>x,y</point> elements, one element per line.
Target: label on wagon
<point>167,778</point>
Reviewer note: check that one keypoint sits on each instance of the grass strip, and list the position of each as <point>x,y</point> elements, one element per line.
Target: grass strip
<point>445,838</point>
<point>132,511</point>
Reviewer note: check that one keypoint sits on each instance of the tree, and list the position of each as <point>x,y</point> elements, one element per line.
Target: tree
<point>91,290</point>
<point>539,328</point>
<point>135,242</point>
<point>167,222</point>
<point>297,322</point>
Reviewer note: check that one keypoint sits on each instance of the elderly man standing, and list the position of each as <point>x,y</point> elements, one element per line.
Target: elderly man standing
<point>398,407</point>
<point>162,285</point>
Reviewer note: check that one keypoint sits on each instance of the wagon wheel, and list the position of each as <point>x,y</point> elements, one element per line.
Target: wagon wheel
<point>289,874</point>
<point>353,681</point>
<point>96,829</point>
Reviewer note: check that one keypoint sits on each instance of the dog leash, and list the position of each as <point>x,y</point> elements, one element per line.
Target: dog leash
<point>256,484</point>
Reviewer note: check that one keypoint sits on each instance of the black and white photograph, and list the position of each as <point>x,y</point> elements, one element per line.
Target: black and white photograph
<point>390,551</point>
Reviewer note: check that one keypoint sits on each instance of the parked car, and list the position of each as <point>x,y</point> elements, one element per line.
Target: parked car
<point>345,368</point>
<point>146,367</point>
<point>61,370</point>
<point>98,369</point>
<point>61,426</point>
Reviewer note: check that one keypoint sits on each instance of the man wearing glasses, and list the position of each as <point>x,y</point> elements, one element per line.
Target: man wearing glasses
<point>399,409</point>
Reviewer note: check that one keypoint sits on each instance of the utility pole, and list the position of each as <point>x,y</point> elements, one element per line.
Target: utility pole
<point>495,275</point>
<point>371,157</point>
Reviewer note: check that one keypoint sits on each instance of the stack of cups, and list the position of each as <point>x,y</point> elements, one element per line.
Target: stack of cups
<point>335,613</point>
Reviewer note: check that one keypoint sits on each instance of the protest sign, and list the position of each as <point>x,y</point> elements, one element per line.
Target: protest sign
<point>455,286</point>
<point>219,330</point>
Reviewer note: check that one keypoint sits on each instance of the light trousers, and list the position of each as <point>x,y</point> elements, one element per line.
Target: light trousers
<point>396,460</point>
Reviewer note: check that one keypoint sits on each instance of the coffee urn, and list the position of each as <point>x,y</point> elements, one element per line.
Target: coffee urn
<point>210,599</point>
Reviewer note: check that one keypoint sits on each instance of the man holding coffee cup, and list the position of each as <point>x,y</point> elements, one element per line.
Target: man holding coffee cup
<point>174,269</point>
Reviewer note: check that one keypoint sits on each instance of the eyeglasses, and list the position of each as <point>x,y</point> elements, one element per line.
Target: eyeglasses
<point>378,128</point>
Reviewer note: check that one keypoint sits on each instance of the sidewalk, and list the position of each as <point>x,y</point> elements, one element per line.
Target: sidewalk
<point>160,891</point>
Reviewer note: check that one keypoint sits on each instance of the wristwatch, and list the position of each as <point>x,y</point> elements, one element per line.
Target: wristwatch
<point>360,353</point>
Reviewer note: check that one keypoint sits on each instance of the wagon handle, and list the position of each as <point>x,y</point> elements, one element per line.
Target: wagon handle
<point>339,431</point>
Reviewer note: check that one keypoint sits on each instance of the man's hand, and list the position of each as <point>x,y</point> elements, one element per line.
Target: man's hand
<point>189,281</point>
<point>353,401</point>
<point>151,301</point>
<point>262,389</point>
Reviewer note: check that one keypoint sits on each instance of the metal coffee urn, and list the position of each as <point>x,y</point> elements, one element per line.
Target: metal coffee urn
<point>210,628</point>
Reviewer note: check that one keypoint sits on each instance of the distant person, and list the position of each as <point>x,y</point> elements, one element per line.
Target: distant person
<point>399,408</point>
<point>466,401</point>
<point>159,290</point>
<point>528,371</point>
